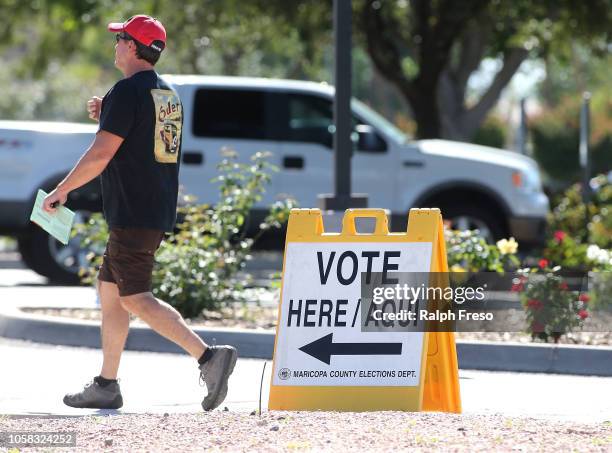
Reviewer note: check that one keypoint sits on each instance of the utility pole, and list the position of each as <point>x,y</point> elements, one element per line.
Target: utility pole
<point>585,132</point>
<point>585,161</point>
<point>522,134</point>
<point>343,198</point>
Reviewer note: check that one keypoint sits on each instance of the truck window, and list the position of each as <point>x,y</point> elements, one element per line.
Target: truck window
<point>229,114</point>
<point>309,119</point>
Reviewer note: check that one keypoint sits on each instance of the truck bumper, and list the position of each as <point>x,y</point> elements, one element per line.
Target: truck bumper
<point>528,230</point>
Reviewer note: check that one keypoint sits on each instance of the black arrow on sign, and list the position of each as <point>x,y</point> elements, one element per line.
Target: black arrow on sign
<point>323,348</point>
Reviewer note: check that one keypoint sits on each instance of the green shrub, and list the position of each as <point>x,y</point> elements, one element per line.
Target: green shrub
<point>599,259</point>
<point>492,132</point>
<point>469,251</point>
<point>7,244</point>
<point>555,135</point>
<point>565,251</point>
<point>585,223</point>
<point>600,279</point>
<point>93,236</point>
<point>600,227</point>
<point>580,237</point>
<point>196,266</point>
<point>552,310</point>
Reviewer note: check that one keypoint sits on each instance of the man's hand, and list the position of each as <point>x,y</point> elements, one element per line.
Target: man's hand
<point>53,200</point>
<point>94,105</point>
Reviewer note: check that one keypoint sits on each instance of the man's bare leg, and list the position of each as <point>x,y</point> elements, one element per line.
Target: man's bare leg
<point>114,329</point>
<point>165,320</point>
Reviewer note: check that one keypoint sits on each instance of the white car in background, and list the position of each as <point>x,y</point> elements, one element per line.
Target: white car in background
<point>496,191</point>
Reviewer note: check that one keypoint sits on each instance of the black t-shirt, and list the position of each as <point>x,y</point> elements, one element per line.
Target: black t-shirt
<point>140,183</point>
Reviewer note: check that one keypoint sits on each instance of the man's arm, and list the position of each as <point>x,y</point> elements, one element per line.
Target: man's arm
<point>90,165</point>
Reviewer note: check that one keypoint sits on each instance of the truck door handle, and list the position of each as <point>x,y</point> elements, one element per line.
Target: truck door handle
<point>413,163</point>
<point>293,162</point>
<point>193,158</point>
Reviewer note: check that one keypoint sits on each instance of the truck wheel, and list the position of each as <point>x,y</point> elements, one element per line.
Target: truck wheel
<point>468,217</point>
<point>48,257</point>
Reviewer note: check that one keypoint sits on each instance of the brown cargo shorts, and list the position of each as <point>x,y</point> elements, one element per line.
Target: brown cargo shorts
<point>129,258</point>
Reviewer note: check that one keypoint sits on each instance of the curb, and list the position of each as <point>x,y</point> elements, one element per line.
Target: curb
<point>18,325</point>
<point>474,355</point>
<point>535,358</point>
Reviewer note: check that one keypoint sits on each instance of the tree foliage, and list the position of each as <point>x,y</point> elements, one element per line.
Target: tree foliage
<point>210,36</point>
<point>429,49</point>
<point>47,39</point>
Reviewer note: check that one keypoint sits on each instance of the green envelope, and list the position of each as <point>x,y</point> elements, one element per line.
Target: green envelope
<point>58,224</point>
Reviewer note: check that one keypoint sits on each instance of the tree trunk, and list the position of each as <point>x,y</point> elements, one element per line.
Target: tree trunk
<point>426,114</point>
<point>436,28</point>
<point>459,121</point>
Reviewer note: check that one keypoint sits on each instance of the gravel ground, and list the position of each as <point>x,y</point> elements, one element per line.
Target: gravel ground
<point>596,331</point>
<point>320,431</point>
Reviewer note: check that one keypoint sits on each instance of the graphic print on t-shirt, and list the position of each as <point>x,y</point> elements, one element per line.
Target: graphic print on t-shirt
<point>168,120</point>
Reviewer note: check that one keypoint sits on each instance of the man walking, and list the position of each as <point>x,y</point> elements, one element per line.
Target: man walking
<point>137,152</point>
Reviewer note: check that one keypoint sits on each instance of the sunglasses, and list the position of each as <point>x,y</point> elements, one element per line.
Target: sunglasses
<point>123,36</point>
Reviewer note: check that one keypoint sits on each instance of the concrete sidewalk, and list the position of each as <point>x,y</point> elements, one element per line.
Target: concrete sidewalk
<point>35,378</point>
<point>491,356</point>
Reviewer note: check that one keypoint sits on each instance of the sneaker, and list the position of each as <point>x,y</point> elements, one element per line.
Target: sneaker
<point>94,396</point>
<point>215,374</point>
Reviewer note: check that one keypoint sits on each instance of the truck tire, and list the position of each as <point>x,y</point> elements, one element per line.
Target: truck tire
<point>24,246</point>
<point>468,217</point>
<point>48,257</point>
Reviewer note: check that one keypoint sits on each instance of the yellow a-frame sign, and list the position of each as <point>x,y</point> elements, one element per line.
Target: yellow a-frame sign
<point>323,360</point>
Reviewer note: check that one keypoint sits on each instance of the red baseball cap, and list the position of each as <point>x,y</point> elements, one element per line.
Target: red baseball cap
<point>144,29</point>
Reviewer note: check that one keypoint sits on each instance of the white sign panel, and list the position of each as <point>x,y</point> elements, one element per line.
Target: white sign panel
<point>320,341</point>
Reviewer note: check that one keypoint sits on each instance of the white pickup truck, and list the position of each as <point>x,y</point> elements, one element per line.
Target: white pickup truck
<point>497,191</point>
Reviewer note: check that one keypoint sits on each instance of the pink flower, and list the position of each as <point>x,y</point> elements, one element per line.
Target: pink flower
<point>584,298</point>
<point>563,286</point>
<point>559,236</point>
<point>516,287</point>
<point>583,314</point>
<point>534,304</point>
<point>543,263</point>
